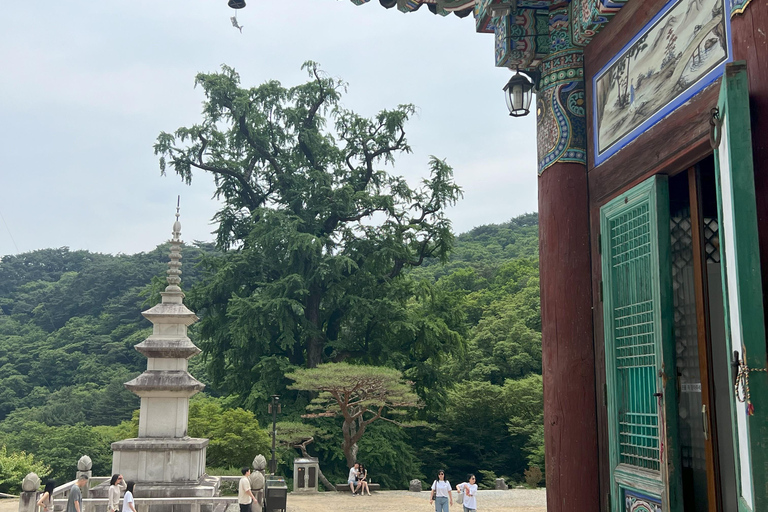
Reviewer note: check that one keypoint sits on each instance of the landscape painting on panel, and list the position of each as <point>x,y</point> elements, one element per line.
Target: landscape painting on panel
<point>683,45</point>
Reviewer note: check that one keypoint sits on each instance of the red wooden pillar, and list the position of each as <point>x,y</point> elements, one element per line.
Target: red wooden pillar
<point>568,357</point>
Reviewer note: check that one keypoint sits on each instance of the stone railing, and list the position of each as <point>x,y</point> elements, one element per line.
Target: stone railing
<point>31,485</point>
<point>143,504</point>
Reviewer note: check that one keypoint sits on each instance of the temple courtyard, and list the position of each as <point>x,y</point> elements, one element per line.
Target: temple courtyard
<point>516,500</point>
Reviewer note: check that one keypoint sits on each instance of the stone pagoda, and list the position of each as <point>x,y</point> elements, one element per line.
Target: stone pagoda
<point>164,461</point>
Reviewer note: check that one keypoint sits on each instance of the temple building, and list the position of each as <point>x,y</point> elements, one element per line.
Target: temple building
<point>652,119</point>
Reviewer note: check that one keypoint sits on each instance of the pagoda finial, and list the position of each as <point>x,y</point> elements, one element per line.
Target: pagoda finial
<point>174,266</point>
<point>177,224</point>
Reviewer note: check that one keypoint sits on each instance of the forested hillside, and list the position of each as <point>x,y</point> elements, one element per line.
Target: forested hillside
<point>69,320</point>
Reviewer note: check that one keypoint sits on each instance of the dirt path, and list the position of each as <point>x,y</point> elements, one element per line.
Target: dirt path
<point>518,500</point>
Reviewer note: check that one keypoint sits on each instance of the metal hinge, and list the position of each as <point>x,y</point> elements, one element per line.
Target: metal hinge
<point>600,243</point>
<point>600,292</point>
<point>605,394</point>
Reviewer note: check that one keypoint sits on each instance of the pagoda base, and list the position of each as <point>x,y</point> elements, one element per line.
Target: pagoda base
<point>158,460</point>
<point>206,487</point>
<point>164,468</point>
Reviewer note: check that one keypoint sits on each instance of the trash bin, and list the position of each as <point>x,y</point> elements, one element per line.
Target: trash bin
<point>275,494</point>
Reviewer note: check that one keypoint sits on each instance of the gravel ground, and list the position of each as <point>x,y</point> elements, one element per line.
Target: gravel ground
<point>9,505</point>
<point>517,500</point>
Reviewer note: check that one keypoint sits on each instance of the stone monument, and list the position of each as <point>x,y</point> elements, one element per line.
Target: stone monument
<point>164,461</point>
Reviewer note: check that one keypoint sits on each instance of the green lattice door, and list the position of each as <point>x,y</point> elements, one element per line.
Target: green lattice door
<point>639,350</point>
<point>742,290</point>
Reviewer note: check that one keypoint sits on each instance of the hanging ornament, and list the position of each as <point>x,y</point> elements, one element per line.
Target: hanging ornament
<point>235,24</point>
<point>236,4</point>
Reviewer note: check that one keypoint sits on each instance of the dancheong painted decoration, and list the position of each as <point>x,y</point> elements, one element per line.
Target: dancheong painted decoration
<point>638,502</point>
<point>679,52</point>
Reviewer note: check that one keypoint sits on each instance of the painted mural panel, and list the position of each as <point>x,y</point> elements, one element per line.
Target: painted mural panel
<point>639,502</point>
<point>671,58</point>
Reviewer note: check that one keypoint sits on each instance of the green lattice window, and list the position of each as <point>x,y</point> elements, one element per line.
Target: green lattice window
<point>634,336</point>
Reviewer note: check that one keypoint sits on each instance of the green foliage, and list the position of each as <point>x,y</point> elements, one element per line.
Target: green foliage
<point>234,434</point>
<point>15,466</point>
<point>68,324</point>
<point>467,335</point>
<point>360,394</point>
<point>487,479</point>
<point>292,433</point>
<point>315,233</point>
<point>388,457</point>
<point>485,425</point>
<point>533,476</point>
<point>61,447</point>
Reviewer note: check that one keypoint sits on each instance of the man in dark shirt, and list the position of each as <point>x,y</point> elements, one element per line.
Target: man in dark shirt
<point>75,500</point>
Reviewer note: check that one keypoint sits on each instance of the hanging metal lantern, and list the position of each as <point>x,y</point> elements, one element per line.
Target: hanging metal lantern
<point>518,93</point>
<point>236,4</point>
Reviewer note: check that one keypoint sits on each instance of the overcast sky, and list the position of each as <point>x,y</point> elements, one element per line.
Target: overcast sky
<point>85,88</point>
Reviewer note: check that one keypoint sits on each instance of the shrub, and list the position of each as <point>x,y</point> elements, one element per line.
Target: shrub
<point>15,466</point>
<point>487,479</point>
<point>533,476</point>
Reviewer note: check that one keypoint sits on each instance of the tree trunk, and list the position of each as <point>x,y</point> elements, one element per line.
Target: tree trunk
<point>350,452</point>
<point>315,340</point>
<point>349,445</point>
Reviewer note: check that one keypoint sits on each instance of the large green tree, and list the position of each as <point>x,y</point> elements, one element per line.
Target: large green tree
<point>316,234</point>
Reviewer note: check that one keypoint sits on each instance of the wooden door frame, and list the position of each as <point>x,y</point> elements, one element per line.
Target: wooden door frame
<point>704,338</point>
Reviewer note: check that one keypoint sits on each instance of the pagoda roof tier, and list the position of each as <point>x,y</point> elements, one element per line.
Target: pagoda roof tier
<point>168,347</point>
<point>176,381</point>
<point>165,313</point>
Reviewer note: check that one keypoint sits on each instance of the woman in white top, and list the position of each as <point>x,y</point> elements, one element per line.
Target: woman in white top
<point>441,493</point>
<point>116,485</point>
<point>128,504</point>
<point>46,499</point>
<point>469,488</point>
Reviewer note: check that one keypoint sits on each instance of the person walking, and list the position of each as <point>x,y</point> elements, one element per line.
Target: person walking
<point>245,495</point>
<point>46,499</point>
<point>441,493</point>
<point>128,504</point>
<point>116,486</point>
<point>469,490</point>
<point>75,500</point>
<point>352,478</point>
